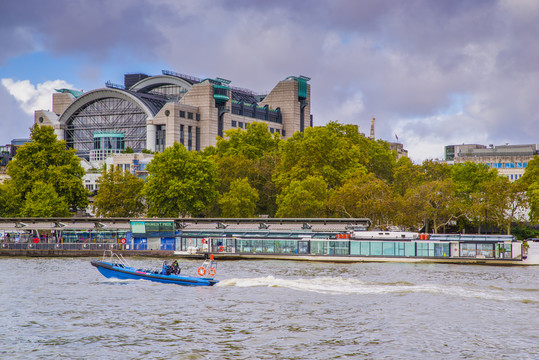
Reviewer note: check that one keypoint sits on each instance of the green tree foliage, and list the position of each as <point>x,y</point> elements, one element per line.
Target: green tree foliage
<point>240,200</point>
<point>304,198</point>
<point>180,183</point>
<point>253,143</point>
<point>533,196</point>
<point>406,175</point>
<point>332,152</point>
<point>531,174</point>
<point>530,181</point>
<point>469,177</point>
<point>10,200</point>
<point>45,159</point>
<point>364,195</point>
<point>119,194</point>
<point>503,202</point>
<point>43,201</point>
<point>251,154</point>
<point>433,170</point>
<point>431,201</point>
<point>382,161</point>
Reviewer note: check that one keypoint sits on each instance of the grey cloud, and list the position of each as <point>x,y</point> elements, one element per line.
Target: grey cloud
<point>403,59</point>
<point>14,122</point>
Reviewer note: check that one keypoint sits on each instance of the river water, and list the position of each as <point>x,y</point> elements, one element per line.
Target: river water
<point>63,308</point>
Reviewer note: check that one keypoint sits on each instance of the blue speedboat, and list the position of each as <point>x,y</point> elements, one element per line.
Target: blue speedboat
<point>117,267</point>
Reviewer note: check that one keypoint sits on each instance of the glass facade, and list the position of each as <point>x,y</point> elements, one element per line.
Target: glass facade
<point>170,92</point>
<point>106,115</point>
<point>321,247</point>
<point>92,236</point>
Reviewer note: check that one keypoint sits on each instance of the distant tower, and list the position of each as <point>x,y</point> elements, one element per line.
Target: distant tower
<point>372,129</point>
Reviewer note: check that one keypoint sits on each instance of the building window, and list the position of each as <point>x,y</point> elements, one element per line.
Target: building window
<point>278,131</point>
<point>198,117</point>
<point>190,115</point>
<point>160,137</point>
<point>182,113</point>
<point>524,165</point>
<point>284,132</point>
<point>181,135</point>
<point>234,123</point>
<point>240,124</point>
<point>189,138</point>
<point>197,140</point>
<point>272,130</point>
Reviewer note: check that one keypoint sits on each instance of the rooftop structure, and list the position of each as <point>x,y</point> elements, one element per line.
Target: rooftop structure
<point>153,112</point>
<point>510,160</point>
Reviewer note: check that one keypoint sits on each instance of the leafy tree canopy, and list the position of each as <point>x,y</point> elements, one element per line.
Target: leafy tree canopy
<point>45,159</point>
<point>43,201</point>
<point>10,200</point>
<point>469,177</point>
<point>304,198</point>
<point>119,194</point>
<point>331,152</point>
<point>251,143</point>
<point>364,195</point>
<point>180,182</point>
<point>240,200</point>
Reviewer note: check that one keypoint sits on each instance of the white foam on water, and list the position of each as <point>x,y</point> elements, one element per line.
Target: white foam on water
<point>337,285</point>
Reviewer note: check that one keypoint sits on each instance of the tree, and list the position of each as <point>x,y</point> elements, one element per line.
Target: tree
<point>45,159</point>
<point>251,154</point>
<point>382,160</point>
<point>240,200</point>
<point>119,194</point>
<point>252,143</point>
<point>531,174</point>
<point>43,201</point>
<point>304,198</point>
<point>469,177</point>
<point>433,170</point>
<point>10,200</point>
<point>504,201</point>
<point>332,152</point>
<point>365,195</point>
<point>533,196</point>
<point>406,175</point>
<point>431,201</point>
<point>180,183</point>
<point>471,189</point>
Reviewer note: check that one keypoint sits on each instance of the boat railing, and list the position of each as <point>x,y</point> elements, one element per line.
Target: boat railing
<point>115,258</point>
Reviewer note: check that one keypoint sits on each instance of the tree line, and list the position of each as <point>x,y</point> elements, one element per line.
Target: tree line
<point>328,171</point>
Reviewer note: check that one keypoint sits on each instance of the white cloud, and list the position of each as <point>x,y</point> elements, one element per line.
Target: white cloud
<point>32,98</point>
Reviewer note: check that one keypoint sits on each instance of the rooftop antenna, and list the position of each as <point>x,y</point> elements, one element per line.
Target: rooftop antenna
<point>372,129</point>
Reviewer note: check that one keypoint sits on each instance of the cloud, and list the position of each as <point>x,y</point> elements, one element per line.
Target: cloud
<point>434,72</point>
<point>14,121</point>
<point>30,97</point>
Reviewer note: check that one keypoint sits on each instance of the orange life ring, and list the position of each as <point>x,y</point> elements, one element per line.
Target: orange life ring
<point>221,248</point>
<point>204,241</point>
<point>212,271</point>
<point>201,271</point>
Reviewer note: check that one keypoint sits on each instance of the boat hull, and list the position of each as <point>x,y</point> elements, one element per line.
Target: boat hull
<point>117,271</point>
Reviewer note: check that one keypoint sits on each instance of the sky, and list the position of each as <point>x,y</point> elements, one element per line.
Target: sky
<point>432,73</point>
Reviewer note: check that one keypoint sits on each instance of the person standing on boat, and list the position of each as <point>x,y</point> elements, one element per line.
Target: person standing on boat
<point>176,267</point>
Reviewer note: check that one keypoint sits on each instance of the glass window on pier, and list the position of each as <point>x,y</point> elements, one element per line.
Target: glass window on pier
<point>330,247</point>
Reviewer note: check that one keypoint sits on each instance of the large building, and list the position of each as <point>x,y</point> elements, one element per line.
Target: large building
<point>153,112</point>
<point>510,160</point>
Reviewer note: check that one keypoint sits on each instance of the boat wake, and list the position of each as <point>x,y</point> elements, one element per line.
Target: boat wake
<point>337,286</point>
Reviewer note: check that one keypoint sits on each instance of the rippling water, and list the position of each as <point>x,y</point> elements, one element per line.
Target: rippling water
<point>64,309</point>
